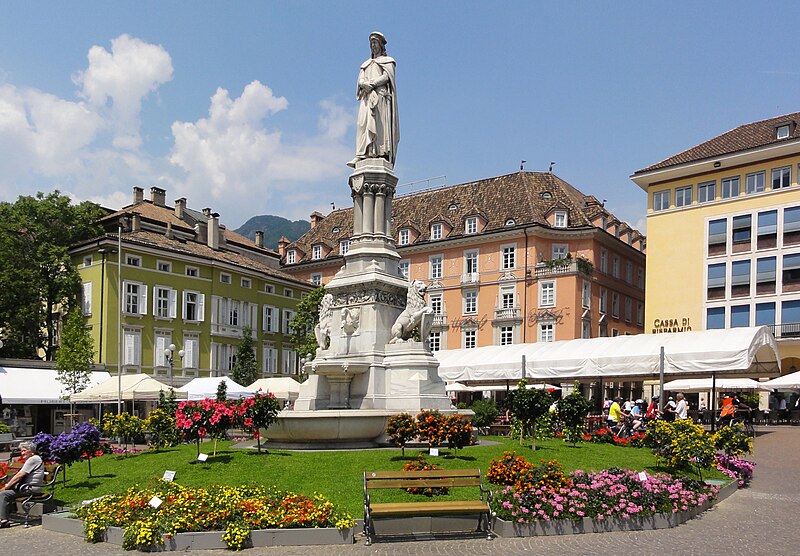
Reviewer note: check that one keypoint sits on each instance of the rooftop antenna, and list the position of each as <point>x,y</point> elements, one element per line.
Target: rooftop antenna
<point>522,165</point>
<point>551,167</point>
<point>604,202</point>
<point>333,207</point>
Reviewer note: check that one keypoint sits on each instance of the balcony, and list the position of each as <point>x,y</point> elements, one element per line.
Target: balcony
<point>230,331</point>
<point>507,315</point>
<point>563,266</point>
<point>440,320</point>
<point>789,330</point>
<point>470,278</point>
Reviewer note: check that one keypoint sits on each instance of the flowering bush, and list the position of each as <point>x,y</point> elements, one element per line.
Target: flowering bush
<point>606,436</point>
<point>681,444</point>
<point>516,471</point>
<point>546,475</point>
<point>43,441</point>
<point>421,464</point>
<point>400,429</point>
<point>733,440</point>
<point>234,510</point>
<point>508,469</point>
<point>603,495</point>
<point>123,425</point>
<point>429,424</point>
<point>739,469</point>
<point>260,411</point>
<point>162,429</point>
<point>457,431</point>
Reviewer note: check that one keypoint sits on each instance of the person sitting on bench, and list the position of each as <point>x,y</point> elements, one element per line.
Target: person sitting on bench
<point>29,478</point>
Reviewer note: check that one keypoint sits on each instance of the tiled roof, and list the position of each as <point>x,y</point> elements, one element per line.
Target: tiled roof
<point>742,138</point>
<point>517,196</point>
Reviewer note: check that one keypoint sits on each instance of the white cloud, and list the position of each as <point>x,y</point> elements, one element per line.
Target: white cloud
<point>117,81</point>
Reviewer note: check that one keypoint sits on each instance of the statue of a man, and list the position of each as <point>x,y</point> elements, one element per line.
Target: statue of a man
<point>378,128</point>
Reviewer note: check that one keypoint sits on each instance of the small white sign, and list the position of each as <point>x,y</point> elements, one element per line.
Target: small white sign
<point>155,501</point>
<point>169,476</point>
<point>434,452</point>
<point>202,457</point>
<point>642,476</point>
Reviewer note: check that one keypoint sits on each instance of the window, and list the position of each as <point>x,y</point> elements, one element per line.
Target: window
<point>791,226</point>
<point>506,335</point>
<point>289,362</point>
<point>683,196</point>
<point>706,191</point>
<point>629,272</point>
<point>781,177</point>
<point>316,252</point>
<point>602,330</point>
<point>435,301</point>
<point>560,219</point>
<point>471,225</point>
<point>586,296</point>
<point>470,302</point>
<point>403,268</point>
<point>767,234</point>
<point>628,309</point>
<point>547,294</point>
<point>135,298</point>
<point>270,359</point>
<point>87,260</point>
<point>86,299</point>
<point>765,275</point>
<point>510,222</point>
<point>640,278</point>
<point>344,247</point>
<point>316,279</point>
<point>165,302</point>
<point>717,237</point>
<point>471,266</point>
<point>547,332</point>
<point>192,271</point>
<point>269,288</point>
<point>586,328</point>
<point>223,356</point>
<point>559,251</point>
<point>470,339</point>
<point>403,237</point>
<point>436,267</point>
<point>603,301</point>
<point>225,278</point>
<point>268,318</point>
<point>730,187</point>
<point>765,314</point>
<point>132,347</point>
<point>615,305</point>
<point>715,288</point>
<point>163,266</point>
<point>791,272</point>
<point>782,132</point>
<point>191,352</point>
<point>291,255</point>
<point>133,260</point>
<point>740,316</point>
<point>193,306</point>
<point>740,279</point>
<point>661,200</point>
<point>640,314</point>
<point>615,266</point>
<point>246,283</point>
<point>742,232</point>
<point>614,332</point>
<point>436,231</point>
<point>288,315</point>
<point>435,341</point>
<point>715,318</point>
<point>604,261</point>
<point>162,341</point>
<point>509,257</point>
<point>507,297</point>
<point>755,182</point>
<point>790,312</point>
<point>288,292</point>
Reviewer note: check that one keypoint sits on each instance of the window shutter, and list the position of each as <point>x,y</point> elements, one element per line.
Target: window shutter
<point>143,299</point>
<point>201,306</point>
<point>188,358</point>
<point>87,298</point>
<point>130,349</point>
<point>161,345</point>
<point>215,308</point>
<point>173,304</point>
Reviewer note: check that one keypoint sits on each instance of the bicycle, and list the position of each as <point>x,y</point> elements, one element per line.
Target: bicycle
<point>746,421</point>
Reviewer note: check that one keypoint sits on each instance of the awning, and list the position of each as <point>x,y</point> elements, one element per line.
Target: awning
<point>786,382</point>
<point>206,387</point>
<point>282,387</point>
<point>20,385</point>
<point>138,387</point>
<point>741,351</point>
<point>722,385</point>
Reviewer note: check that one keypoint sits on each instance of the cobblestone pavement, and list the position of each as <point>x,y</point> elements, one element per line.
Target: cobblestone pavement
<point>759,520</point>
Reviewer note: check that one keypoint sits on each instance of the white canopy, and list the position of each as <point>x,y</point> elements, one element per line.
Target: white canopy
<point>282,387</point>
<point>785,382</point>
<point>138,387</point>
<point>722,385</point>
<point>206,387</point>
<point>458,387</point>
<point>19,385</point>
<point>738,350</point>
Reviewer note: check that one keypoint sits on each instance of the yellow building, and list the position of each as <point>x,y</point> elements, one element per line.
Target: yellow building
<point>723,229</point>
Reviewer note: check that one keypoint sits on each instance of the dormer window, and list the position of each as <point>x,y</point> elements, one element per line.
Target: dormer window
<point>782,132</point>
<point>453,207</point>
<point>403,237</point>
<point>336,229</point>
<point>436,231</point>
<point>547,195</point>
<point>560,219</point>
<point>291,255</point>
<point>316,252</point>
<point>510,222</point>
<point>471,225</point>
<point>344,247</point>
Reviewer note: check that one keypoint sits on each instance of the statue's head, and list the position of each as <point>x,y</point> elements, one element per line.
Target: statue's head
<point>377,44</point>
<point>418,287</point>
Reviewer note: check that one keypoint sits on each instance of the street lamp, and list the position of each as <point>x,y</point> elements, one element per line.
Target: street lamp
<point>169,353</point>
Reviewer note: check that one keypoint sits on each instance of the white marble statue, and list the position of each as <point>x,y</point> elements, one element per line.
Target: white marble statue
<point>411,317</point>
<point>378,127</point>
<point>322,330</point>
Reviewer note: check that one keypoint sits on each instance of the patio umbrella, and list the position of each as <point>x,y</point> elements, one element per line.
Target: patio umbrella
<point>785,382</point>
<point>282,387</point>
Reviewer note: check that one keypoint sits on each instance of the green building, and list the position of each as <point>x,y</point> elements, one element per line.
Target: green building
<point>185,280</point>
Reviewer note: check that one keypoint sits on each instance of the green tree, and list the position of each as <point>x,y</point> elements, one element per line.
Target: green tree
<point>302,325</point>
<point>572,411</point>
<point>74,356</point>
<point>485,413</point>
<point>527,405</point>
<point>37,277</point>
<point>222,391</point>
<point>245,370</point>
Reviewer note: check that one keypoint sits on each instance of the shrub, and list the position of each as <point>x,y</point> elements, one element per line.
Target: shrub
<point>430,427</point>
<point>457,431</point>
<point>528,405</point>
<point>421,464</point>
<point>508,469</point>
<point>546,475</point>
<point>400,429</point>
<point>485,413</point>
<point>572,411</point>
<point>733,440</point>
<point>681,443</point>
<point>4,429</point>
<point>256,413</point>
<point>162,429</point>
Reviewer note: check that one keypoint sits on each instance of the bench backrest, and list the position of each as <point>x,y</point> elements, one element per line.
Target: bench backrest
<point>51,471</point>
<point>435,478</point>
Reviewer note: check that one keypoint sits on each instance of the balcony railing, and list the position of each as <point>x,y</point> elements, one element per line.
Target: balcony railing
<point>440,319</point>
<point>785,330</point>
<point>470,278</point>
<point>507,314</point>
<point>563,266</point>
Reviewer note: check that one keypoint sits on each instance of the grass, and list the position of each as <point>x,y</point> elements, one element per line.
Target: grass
<point>335,474</point>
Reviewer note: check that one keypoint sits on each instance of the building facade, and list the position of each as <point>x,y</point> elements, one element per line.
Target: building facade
<point>184,280</point>
<point>518,258</point>
<point>723,223</point>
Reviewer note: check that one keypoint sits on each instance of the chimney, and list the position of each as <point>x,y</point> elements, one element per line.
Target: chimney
<point>136,222</point>
<point>138,194</point>
<point>158,196</point>
<point>283,243</point>
<point>213,229</point>
<point>259,238</point>
<point>316,217</point>
<point>180,206</point>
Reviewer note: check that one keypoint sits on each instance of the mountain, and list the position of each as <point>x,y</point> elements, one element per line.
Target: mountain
<point>274,227</point>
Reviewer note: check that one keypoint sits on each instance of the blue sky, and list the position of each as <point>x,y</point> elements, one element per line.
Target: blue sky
<point>248,107</point>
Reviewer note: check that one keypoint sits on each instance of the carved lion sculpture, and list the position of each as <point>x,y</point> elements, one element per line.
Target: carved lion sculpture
<point>322,330</point>
<point>411,317</point>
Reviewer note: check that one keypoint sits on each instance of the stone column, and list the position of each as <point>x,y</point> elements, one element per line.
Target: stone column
<point>368,212</point>
<point>387,217</point>
<point>380,211</point>
<point>358,214</point>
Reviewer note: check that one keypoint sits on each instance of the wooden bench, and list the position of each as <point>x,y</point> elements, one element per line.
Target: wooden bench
<point>28,498</point>
<point>436,479</point>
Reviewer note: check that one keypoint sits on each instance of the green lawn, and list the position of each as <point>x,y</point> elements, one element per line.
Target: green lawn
<point>335,474</point>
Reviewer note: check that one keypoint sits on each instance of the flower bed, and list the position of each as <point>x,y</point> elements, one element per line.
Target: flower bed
<point>234,510</point>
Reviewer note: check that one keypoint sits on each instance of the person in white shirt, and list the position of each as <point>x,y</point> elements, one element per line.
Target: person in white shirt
<point>681,408</point>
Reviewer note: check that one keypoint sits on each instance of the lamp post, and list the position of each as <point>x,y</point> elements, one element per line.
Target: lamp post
<point>169,353</point>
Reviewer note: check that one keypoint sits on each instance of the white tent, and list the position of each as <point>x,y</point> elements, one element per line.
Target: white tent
<point>786,382</point>
<point>138,387</point>
<point>206,387</point>
<point>743,351</point>
<point>458,387</point>
<point>19,385</point>
<point>721,384</point>
<point>282,387</point>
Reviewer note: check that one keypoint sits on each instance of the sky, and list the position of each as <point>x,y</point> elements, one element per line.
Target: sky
<point>249,107</point>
